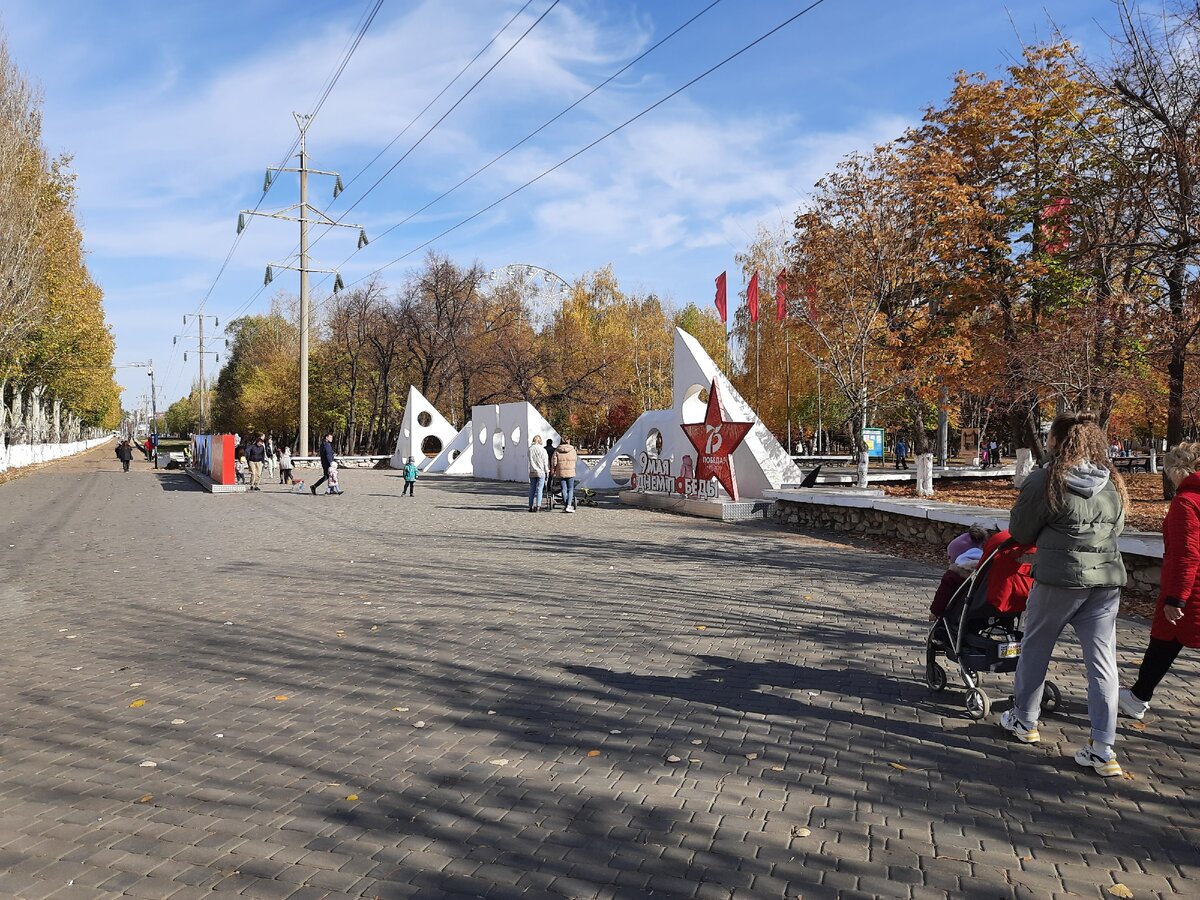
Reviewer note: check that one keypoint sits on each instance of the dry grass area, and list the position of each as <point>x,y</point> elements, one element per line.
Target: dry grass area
<point>1147,507</point>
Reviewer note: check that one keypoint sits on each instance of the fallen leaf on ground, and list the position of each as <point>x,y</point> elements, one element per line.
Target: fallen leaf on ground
<point>399,709</point>
<point>701,627</point>
<point>697,742</point>
<point>148,764</point>
<point>801,832</point>
<point>137,704</point>
<point>615,731</point>
<point>352,797</point>
<point>898,766</point>
<point>751,756</point>
<point>1137,726</point>
<point>1120,890</point>
<point>776,768</point>
<point>674,759</point>
<point>593,753</point>
<point>418,724</point>
<point>145,798</point>
<point>178,721</point>
<point>499,762</point>
<point>279,698</point>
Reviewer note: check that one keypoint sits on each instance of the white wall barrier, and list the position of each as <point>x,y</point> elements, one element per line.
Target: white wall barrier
<point>17,456</point>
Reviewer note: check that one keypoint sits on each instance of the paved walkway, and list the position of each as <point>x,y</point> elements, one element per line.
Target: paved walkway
<point>369,696</point>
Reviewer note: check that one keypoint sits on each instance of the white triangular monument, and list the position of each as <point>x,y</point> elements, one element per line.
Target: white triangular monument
<point>423,430</point>
<point>455,458</point>
<point>500,438</point>
<point>760,462</point>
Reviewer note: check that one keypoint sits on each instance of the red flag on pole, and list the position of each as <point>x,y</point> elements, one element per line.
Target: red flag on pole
<point>721,297</point>
<point>752,297</point>
<point>781,296</point>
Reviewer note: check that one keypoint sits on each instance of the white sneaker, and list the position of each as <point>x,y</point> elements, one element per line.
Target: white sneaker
<point>1105,764</point>
<point>1130,706</point>
<point>1025,734</point>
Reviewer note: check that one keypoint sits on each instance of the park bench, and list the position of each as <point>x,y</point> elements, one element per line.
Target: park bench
<point>1132,463</point>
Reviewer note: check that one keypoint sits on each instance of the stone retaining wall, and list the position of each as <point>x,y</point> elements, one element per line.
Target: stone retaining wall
<point>1143,571</point>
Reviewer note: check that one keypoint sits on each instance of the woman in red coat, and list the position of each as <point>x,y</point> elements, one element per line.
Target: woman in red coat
<point>1177,617</point>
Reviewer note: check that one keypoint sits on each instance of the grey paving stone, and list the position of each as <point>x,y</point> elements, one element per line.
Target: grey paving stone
<point>526,639</point>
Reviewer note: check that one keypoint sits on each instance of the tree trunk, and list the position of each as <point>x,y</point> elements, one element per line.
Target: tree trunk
<point>920,437</point>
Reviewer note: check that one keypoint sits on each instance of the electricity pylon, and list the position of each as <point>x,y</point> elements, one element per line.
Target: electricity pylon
<point>302,211</point>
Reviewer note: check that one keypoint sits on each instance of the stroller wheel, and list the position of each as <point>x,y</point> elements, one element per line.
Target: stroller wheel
<point>1051,697</point>
<point>935,677</point>
<point>978,704</point>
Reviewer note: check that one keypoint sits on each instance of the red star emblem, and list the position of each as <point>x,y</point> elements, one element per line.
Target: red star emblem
<point>715,439</point>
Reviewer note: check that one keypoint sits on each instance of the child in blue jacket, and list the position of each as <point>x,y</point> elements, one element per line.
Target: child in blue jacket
<point>410,477</point>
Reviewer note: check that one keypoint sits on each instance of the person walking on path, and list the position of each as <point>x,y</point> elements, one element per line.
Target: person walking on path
<point>1073,510</point>
<point>285,465</point>
<point>410,477</point>
<point>272,458</point>
<point>327,460</point>
<point>901,453</point>
<point>125,455</point>
<point>1177,615</point>
<point>539,468</point>
<point>566,457</point>
<point>551,474</point>
<point>256,454</point>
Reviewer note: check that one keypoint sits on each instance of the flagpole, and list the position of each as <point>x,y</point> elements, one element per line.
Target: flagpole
<point>787,367</point>
<point>757,375</point>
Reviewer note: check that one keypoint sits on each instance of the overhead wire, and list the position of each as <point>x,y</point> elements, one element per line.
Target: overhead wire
<point>548,122</point>
<point>710,70</point>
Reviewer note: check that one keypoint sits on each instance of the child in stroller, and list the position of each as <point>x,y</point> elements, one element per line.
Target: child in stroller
<point>979,627</point>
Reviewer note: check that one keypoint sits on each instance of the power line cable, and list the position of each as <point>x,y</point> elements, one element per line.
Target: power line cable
<point>444,115</point>
<point>603,137</point>
<point>547,123</point>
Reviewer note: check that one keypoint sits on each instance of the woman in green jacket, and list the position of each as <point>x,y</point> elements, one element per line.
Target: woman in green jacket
<point>1073,509</point>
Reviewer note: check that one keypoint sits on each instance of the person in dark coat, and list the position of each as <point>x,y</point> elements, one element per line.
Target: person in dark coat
<point>327,458</point>
<point>125,454</point>
<point>1177,616</point>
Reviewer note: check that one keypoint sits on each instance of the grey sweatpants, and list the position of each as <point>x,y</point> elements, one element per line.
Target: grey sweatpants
<point>1092,612</point>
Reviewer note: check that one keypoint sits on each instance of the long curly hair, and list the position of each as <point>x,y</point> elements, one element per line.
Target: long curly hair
<point>1078,439</point>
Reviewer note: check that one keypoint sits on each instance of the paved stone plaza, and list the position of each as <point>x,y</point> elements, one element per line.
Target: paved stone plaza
<point>447,696</point>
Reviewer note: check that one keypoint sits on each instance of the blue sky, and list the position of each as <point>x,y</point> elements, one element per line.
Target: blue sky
<point>173,110</point>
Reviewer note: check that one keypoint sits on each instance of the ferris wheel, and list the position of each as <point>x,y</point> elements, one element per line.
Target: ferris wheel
<point>541,291</point>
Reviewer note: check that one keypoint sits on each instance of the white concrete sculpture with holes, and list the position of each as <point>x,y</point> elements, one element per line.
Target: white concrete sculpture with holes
<point>760,462</point>
<point>500,440</point>
<point>424,432</point>
<point>455,458</point>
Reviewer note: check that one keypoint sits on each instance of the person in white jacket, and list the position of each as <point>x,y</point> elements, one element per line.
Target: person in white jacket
<point>539,468</point>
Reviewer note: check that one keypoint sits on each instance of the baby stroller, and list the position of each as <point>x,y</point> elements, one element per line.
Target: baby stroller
<point>977,636</point>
